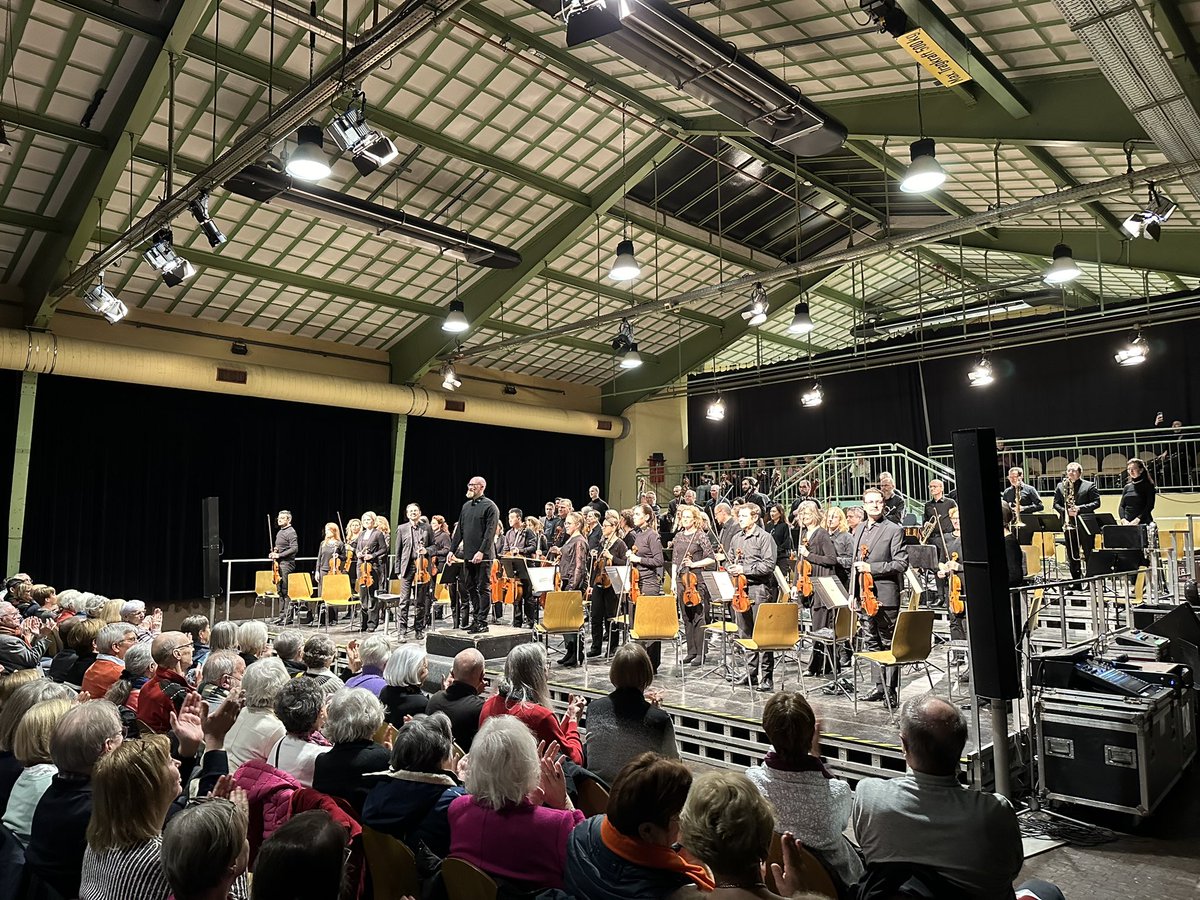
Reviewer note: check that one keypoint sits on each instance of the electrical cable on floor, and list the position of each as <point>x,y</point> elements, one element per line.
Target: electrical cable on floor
<point>1078,834</point>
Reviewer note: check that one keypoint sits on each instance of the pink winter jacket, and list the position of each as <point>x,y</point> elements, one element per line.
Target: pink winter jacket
<point>269,791</point>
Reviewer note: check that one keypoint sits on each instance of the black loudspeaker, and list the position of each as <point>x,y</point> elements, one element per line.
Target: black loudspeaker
<point>210,512</point>
<point>991,628</point>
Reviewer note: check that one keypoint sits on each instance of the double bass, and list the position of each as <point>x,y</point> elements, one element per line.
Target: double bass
<point>741,596</point>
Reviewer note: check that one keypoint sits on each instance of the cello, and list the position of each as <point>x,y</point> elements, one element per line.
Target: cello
<point>866,582</point>
<point>741,597</point>
<point>956,603</point>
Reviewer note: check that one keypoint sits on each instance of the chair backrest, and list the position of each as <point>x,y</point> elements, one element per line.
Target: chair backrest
<point>1056,466</point>
<point>264,583</point>
<point>593,796</point>
<point>465,882</point>
<point>775,626</point>
<point>1033,466</point>
<point>814,878</point>
<point>564,611</point>
<point>336,588</point>
<point>1114,464</point>
<point>1139,585</point>
<point>913,638</point>
<point>300,586</point>
<point>392,866</point>
<point>394,585</point>
<point>1089,464</point>
<point>656,618</point>
<point>843,624</point>
<point>441,592</point>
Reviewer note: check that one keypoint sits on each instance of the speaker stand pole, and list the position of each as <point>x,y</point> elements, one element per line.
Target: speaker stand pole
<point>1000,758</point>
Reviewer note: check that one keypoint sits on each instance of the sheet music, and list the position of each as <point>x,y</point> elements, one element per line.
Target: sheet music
<point>542,578</point>
<point>723,584</point>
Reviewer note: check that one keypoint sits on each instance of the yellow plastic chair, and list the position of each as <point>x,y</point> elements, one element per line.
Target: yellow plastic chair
<point>300,586</point>
<point>464,881</point>
<point>264,585</point>
<point>337,593</point>
<point>563,615</point>
<point>777,630</point>
<point>392,866</point>
<point>656,618</point>
<point>911,642</point>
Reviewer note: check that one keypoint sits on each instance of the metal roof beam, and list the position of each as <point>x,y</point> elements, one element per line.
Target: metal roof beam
<point>1169,20</point>
<point>1173,255</point>
<point>1056,171</point>
<point>414,355</point>
<point>32,121</point>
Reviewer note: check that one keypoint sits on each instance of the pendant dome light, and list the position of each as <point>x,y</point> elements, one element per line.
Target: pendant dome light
<point>625,266</point>
<point>924,172</point>
<point>802,322</point>
<point>309,161</point>
<point>1063,269</point>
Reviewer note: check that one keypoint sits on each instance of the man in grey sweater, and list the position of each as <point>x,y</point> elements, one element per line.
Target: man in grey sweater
<point>22,643</point>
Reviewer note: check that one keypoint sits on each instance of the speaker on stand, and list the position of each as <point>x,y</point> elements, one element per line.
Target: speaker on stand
<point>210,514</point>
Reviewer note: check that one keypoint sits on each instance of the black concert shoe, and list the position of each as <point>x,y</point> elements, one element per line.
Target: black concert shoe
<point>876,696</point>
<point>592,654</point>
<point>569,661</point>
<point>687,660</point>
<point>765,686</point>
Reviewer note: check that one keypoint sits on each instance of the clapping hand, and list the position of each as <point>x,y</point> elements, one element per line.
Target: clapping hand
<point>552,785</point>
<point>188,725</point>
<point>789,879</point>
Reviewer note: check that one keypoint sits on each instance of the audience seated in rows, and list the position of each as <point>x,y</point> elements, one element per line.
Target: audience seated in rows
<point>412,803</point>
<point>462,697</point>
<point>525,695</point>
<point>257,728</point>
<point>304,860</point>
<point>205,852</point>
<point>369,659</point>
<point>253,640</point>
<point>319,653</point>
<point>405,673</point>
<point>23,642</point>
<point>289,647</point>
<point>300,707</point>
<point>354,716</point>
<point>196,627</point>
<point>625,724</point>
<point>147,628</point>
<point>35,690</point>
<point>112,642</point>
<point>224,636</point>
<point>221,673</point>
<point>70,664</point>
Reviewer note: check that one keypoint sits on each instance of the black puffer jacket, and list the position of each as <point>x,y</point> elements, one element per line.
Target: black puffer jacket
<point>596,873</point>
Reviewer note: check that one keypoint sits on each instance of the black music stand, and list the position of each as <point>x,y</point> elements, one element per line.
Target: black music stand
<point>515,567</point>
<point>1044,523</point>
<point>619,578</point>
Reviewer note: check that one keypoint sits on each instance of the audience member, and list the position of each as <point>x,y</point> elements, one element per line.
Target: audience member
<point>110,610</point>
<point>504,770</point>
<point>629,853</point>
<point>68,605</point>
<point>196,627</point>
<point>166,690</point>
<point>304,860</point>
<point>10,682</point>
<point>31,746</point>
<point>300,706</point>
<point>355,715</point>
<point>927,818</point>
<point>404,673</point>
<point>809,801</point>
<point>373,656</point>
<point>134,613</point>
<point>525,695</point>
<point>252,640</point>
<point>289,647</point>
<point>224,636</point>
<point>16,707</point>
<point>132,789</point>
<point>257,728</point>
<point>205,851</point>
<point>319,653</point>
<point>624,725</point>
<point>139,666</point>
<point>462,699</point>
<point>112,642</point>
<point>23,642</point>
<point>221,673</point>
<point>413,801</point>
<point>70,664</point>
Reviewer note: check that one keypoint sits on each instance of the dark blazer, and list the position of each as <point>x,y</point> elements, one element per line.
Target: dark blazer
<point>406,547</point>
<point>340,771</point>
<point>372,547</point>
<point>781,534</point>
<point>461,703</point>
<point>1087,498</point>
<point>441,548</point>
<point>887,556</point>
<point>821,552</point>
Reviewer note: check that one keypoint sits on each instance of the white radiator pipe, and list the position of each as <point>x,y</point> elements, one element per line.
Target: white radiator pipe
<point>45,353</point>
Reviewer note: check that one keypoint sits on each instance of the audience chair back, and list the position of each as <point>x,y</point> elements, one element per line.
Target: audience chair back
<point>464,881</point>
<point>593,796</point>
<point>392,866</point>
<point>814,878</point>
<point>264,584</point>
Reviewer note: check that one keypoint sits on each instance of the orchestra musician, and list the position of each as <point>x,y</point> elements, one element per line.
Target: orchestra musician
<point>595,502</point>
<point>1137,499</point>
<point>938,505</point>
<point>886,561</point>
<point>473,542</point>
<point>558,536</point>
<point>611,552</point>
<point>371,547</point>
<point>815,546</point>
<point>838,527</point>
<point>287,545</point>
<point>353,530</point>
<point>752,553</point>
<point>714,497</point>
<point>413,542</point>
<point>591,528</point>
<point>781,534</point>
<point>331,548</point>
<point>548,519</point>
<point>1078,517</point>
<point>1018,493</point>
<point>893,500</point>
<point>726,526</point>
<point>646,555</point>
<point>573,575</point>
<point>692,551</point>
<point>751,494</point>
<point>950,555</point>
<point>804,491</point>
<point>521,541</point>
<point>438,551</point>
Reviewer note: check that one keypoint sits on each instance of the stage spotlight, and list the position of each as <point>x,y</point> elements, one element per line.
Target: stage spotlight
<point>1134,353</point>
<point>1063,267</point>
<point>716,410</point>
<point>456,319</point>
<point>174,269</point>
<point>756,310</point>
<point>450,380</point>
<point>802,322</point>
<point>981,375</point>
<point>1148,222</point>
<point>814,396</point>
<point>626,347</point>
<point>352,134</point>
<point>625,266</point>
<point>199,210</point>
<point>924,173</point>
<point>100,299</point>
<point>308,161</point>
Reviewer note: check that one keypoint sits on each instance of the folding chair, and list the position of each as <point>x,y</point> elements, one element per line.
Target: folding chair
<point>912,641</point>
<point>265,588</point>
<point>725,630</point>
<point>337,594</point>
<point>563,615</point>
<point>776,630</point>
<point>464,881</point>
<point>841,632</point>
<point>392,866</point>
<point>656,618</point>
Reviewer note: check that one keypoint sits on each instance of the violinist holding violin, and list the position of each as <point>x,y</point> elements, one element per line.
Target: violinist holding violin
<point>753,551</point>
<point>816,549</point>
<point>521,541</point>
<point>414,541</point>
<point>611,552</point>
<point>881,554</point>
<point>331,558</point>
<point>283,553</point>
<point>646,555</point>
<point>692,552</point>
<point>371,552</point>
<point>949,545</point>
<point>573,573</point>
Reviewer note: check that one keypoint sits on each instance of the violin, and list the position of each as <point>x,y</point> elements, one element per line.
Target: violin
<point>691,596</point>
<point>804,584</point>
<point>741,597</point>
<point>425,567</point>
<point>335,564</point>
<point>866,582</point>
<point>365,578</point>
<point>634,592</point>
<point>599,574</point>
<point>957,605</point>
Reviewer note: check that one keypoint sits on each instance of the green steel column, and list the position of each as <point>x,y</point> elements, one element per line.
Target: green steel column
<point>20,472</point>
<point>397,469</point>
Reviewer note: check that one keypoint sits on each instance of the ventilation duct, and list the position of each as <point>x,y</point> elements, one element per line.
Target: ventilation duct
<point>264,184</point>
<point>1119,38</point>
<point>664,41</point>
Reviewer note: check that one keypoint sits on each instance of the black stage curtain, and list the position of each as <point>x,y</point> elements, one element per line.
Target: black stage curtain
<point>522,468</point>
<point>1062,387</point>
<point>119,471</point>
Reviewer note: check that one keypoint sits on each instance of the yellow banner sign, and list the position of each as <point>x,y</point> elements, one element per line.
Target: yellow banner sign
<point>926,51</point>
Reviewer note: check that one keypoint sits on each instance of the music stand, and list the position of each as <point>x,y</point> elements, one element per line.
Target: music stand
<point>922,556</point>
<point>720,590</point>
<point>541,578</point>
<point>619,577</point>
<point>1045,523</point>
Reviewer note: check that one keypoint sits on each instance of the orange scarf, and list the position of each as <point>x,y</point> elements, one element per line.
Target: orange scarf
<point>653,857</point>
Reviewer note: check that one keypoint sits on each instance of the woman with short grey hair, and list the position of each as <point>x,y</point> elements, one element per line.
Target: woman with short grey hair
<point>252,640</point>
<point>319,653</point>
<point>257,728</point>
<point>300,706</point>
<point>412,803</point>
<point>405,672</point>
<point>139,666</point>
<point>205,852</point>
<point>355,715</point>
<point>224,636</point>
<point>289,646</point>
<point>513,791</point>
<point>373,653</point>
